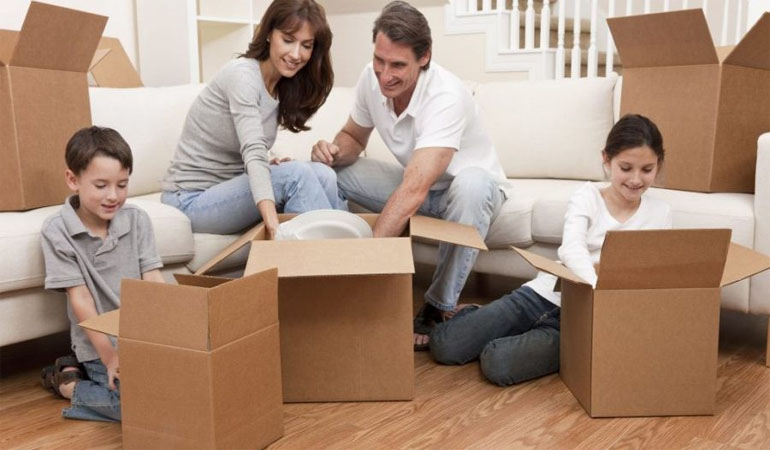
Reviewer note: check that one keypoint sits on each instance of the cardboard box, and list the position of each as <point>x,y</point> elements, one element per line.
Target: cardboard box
<point>346,311</point>
<point>199,362</point>
<point>645,341</point>
<point>43,101</point>
<point>710,104</point>
<point>111,67</point>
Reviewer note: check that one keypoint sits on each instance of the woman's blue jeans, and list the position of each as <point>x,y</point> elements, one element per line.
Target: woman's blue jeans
<point>515,338</point>
<point>92,399</point>
<point>229,207</point>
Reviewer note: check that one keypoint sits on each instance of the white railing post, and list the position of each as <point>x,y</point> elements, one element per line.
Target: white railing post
<point>593,53</point>
<point>725,17</point>
<point>529,26</point>
<point>576,62</point>
<point>666,5</point>
<point>472,6</point>
<point>486,5</point>
<point>500,5</point>
<point>685,4</point>
<point>647,6</point>
<point>545,26</point>
<point>608,68</point>
<point>739,31</point>
<point>461,7</point>
<point>515,25</point>
<point>560,43</point>
<point>706,9</point>
<point>629,8</point>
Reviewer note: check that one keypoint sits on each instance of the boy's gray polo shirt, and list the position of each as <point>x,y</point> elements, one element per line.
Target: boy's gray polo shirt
<point>74,256</point>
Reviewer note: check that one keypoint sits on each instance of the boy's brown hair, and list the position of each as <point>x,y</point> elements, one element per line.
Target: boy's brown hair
<point>90,142</point>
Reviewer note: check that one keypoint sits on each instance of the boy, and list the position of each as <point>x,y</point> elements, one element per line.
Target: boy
<point>89,246</point>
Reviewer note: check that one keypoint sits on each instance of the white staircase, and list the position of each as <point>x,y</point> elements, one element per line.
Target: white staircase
<point>512,29</point>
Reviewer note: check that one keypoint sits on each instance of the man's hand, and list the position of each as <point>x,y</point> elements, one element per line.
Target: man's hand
<point>113,370</point>
<point>325,152</point>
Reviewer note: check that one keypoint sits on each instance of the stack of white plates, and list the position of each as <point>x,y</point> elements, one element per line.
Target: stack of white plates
<point>324,224</point>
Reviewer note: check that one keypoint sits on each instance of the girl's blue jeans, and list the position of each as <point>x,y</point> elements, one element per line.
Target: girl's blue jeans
<point>515,338</point>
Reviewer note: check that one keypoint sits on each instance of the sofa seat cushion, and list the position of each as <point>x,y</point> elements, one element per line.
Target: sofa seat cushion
<point>513,225</point>
<point>689,209</point>
<point>20,235</point>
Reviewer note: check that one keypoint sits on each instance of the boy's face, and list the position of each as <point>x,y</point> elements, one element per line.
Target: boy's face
<point>102,188</point>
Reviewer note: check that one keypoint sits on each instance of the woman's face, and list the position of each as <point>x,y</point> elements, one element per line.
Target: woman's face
<point>289,52</point>
<point>632,171</point>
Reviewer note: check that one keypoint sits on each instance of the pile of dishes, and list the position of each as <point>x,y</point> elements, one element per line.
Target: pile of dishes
<point>324,224</point>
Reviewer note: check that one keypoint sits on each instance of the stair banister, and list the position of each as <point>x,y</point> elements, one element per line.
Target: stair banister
<point>560,43</point>
<point>576,62</point>
<point>593,52</point>
<point>609,63</point>
<point>515,24</point>
<point>545,26</point>
<point>529,26</point>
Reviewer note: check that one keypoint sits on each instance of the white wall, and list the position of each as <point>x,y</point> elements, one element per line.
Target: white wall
<point>352,46</point>
<point>121,23</point>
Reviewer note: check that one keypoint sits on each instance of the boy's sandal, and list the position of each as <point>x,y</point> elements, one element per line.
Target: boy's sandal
<point>51,377</point>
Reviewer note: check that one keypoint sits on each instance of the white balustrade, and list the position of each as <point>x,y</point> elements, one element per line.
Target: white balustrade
<point>725,19</point>
<point>610,59</point>
<point>593,52</point>
<point>515,25</point>
<point>560,43</point>
<point>486,5</point>
<point>575,62</point>
<point>529,26</point>
<point>647,6</point>
<point>545,26</point>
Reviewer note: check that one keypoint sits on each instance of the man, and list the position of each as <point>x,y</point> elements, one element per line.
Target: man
<point>428,120</point>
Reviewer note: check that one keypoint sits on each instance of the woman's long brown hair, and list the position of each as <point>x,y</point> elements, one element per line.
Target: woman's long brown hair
<point>301,95</point>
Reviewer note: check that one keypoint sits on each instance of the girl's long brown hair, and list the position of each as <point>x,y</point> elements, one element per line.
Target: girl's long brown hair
<point>301,95</point>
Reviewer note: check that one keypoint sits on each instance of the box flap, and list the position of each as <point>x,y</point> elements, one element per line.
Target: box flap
<point>107,323</point>
<point>8,40</point>
<point>742,262</point>
<point>375,256</point>
<point>754,48</point>
<point>444,231</point>
<point>203,281</point>
<point>111,66</point>
<point>57,38</point>
<point>665,39</point>
<point>663,259</point>
<point>247,237</point>
<point>546,265</point>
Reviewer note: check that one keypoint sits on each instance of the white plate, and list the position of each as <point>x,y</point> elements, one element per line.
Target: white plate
<point>324,224</point>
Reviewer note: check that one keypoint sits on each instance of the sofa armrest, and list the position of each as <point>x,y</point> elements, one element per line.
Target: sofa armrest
<point>759,302</point>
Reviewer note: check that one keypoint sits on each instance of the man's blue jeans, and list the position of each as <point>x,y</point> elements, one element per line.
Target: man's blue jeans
<point>474,198</point>
<point>229,207</point>
<point>516,338</point>
<point>92,399</point>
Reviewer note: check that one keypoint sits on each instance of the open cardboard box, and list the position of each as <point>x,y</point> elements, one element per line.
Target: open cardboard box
<point>645,341</point>
<point>345,307</point>
<point>710,104</point>
<point>199,361</point>
<point>43,101</point>
<point>111,67</point>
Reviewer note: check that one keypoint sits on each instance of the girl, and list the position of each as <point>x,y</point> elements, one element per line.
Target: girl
<point>516,337</point>
<point>221,176</point>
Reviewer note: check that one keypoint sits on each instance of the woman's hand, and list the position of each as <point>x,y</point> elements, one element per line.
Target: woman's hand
<point>276,161</point>
<point>269,217</point>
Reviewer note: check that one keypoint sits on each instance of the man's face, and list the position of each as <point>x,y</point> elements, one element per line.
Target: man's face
<point>396,68</point>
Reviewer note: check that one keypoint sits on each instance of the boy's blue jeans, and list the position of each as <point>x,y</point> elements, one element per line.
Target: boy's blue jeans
<point>473,198</point>
<point>516,338</point>
<point>229,207</point>
<point>92,399</point>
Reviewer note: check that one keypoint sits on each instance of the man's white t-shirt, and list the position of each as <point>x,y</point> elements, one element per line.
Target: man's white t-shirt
<point>441,113</point>
<point>587,222</point>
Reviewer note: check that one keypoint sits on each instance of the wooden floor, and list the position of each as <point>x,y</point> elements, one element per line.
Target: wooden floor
<point>454,408</point>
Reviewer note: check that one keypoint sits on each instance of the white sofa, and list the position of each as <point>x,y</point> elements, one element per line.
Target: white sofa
<point>548,135</point>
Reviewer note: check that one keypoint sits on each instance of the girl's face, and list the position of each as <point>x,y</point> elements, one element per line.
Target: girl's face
<point>632,171</point>
<point>289,52</point>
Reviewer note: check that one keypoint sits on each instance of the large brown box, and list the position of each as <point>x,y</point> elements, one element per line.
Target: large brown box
<point>43,101</point>
<point>345,307</point>
<point>111,67</point>
<point>645,341</point>
<point>710,104</point>
<point>200,362</point>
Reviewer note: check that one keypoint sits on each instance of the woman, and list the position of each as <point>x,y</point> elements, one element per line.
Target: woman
<point>221,176</point>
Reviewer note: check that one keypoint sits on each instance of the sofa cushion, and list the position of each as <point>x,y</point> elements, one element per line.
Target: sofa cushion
<point>549,129</point>
<point>20,235</point>
<point>689,209</point>
<point>150,120</point>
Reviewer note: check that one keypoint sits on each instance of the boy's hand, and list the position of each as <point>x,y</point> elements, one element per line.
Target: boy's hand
<point>325,152</point>
<point>113,371</point>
